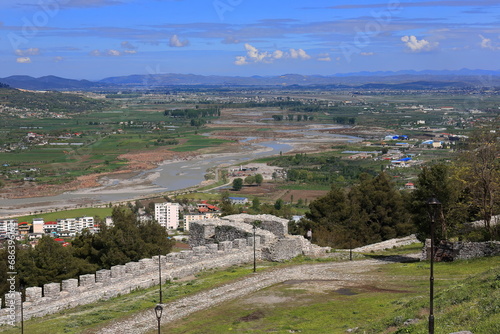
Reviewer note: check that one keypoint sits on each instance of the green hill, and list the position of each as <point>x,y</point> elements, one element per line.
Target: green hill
<point>49,101</point>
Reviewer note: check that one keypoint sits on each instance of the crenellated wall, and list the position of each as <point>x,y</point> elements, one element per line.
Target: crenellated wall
<point>123,279</point>
<point>215,243</point>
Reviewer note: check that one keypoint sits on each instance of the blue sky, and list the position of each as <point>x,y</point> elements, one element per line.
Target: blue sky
<point>94,39</point>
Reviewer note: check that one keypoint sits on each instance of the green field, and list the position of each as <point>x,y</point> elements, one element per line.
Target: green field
<point>52,216</point>
<point>196,142</point>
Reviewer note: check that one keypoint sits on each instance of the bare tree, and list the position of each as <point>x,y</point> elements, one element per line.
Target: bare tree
<point>481,172</point>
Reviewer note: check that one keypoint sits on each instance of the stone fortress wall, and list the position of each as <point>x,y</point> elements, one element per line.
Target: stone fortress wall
<point>450,251</point>
<point>215,243</point>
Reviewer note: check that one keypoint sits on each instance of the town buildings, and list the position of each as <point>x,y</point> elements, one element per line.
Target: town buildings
<point>167,215</point>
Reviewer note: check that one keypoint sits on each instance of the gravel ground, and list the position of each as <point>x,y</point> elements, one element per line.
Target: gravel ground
<point>346,273</point>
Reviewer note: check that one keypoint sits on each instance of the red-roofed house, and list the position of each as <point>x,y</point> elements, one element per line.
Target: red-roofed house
<point>50,227</point>
<point>409,185</point>
<point>205,207</point>
<point>24,228</point>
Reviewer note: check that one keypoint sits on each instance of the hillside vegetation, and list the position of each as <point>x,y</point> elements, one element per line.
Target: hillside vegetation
<point>49,101</point>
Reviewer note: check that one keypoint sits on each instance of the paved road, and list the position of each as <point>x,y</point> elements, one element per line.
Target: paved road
<point>345,273</point>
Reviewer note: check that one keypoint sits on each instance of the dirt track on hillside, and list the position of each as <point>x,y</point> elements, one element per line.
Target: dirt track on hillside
<point>342,274</point>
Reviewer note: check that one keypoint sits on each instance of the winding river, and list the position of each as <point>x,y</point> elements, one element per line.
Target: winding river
<point>168,176</point>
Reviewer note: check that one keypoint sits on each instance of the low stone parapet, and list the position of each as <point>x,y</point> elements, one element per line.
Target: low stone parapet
<point>69,285</point>
<point>87,281</point>
<point>33,294</point>
<point>51,290</point>
<point>186,254</point>
<point>212,248</point>
<point>118,272</point>
<point>132,267</point>
<point>148,264</point>
<point>239,243</point>
<point>103,276</point>
<point>225,246</point>
<point>251,239</point>
<point>199,251</point>
<point>450,251</point>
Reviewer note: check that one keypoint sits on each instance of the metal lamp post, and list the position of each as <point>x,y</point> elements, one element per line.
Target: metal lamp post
<point>21,288</point>
<point>158,311</point>
<point>433,205</point>
<point>254,260</point>
<point>159,274</point>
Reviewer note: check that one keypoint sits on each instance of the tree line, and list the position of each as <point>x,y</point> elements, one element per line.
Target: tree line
<point>373,209</point>
<point>193,113</point>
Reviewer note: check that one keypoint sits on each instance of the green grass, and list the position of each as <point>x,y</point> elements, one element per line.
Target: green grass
<point>199,196</point>
<point>196,142</point>
<point>52,216</point>
<point>306,187</point>
<point>465,291</point>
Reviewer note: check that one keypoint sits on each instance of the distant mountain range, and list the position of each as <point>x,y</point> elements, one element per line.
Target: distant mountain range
<point>360,80</point>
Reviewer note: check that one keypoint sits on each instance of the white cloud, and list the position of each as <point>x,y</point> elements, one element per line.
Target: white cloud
<point>415,45</point>
<point>240,60</point>
<point>324,57</point>
<point>95,53</point>
<point>486,43</point>
<point>177,43</point>
<point>253,55</point>
<point>278,54</point>
<point>128,46</point>
<point>58,59</point>
<point>23,60</point>
<point>27,52</point>
<point>113,53</point>
<point>299,54</point>
<point>230,40</point>
<point>367,53</point>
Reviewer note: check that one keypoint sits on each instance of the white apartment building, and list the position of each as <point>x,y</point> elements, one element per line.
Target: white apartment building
<point>38,225</point>
<point>9,226</point>
<point>72,226</point>
<point>167,215</point>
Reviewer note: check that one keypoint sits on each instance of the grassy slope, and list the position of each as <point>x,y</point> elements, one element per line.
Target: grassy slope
<point>466,298</point>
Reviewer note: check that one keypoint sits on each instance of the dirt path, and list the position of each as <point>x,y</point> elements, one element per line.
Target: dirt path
<point>343,273</point>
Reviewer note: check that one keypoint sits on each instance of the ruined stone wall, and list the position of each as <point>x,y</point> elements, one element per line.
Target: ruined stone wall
<point>449,251</point>
<point>276,225</point>
<point>272,231</point>
<point>282,250</point>
<point>216,243</point>
<point>229,233</point>
<point>208,231</point>
<point>123,279</point>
